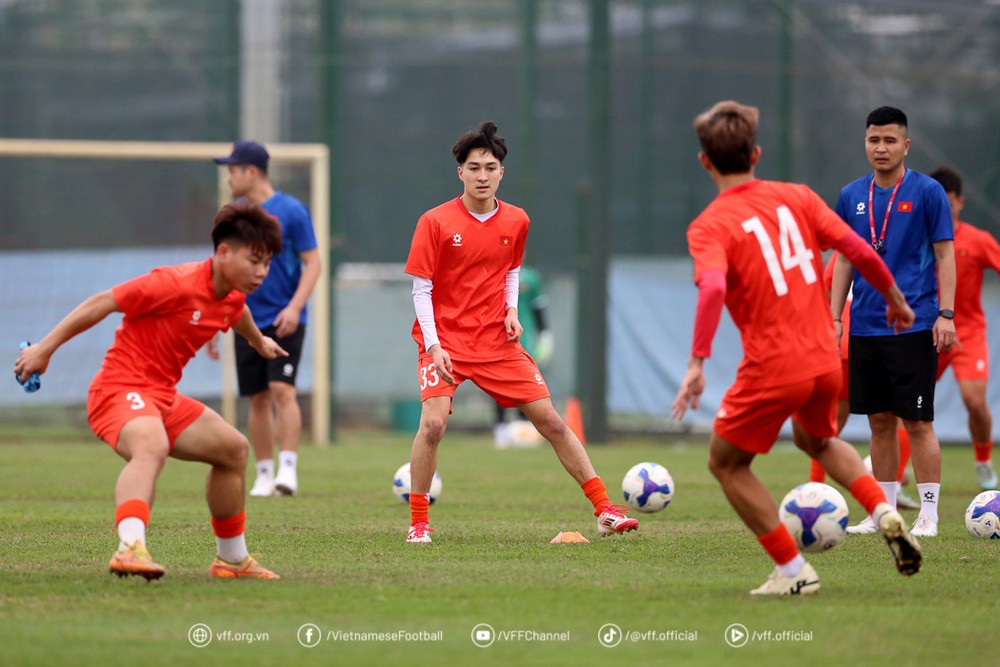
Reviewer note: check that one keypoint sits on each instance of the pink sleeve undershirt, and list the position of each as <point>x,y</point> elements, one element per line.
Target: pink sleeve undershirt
<point>711,299</point>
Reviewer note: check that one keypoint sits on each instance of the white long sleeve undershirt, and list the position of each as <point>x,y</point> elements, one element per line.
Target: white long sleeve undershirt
<point>423,303</point>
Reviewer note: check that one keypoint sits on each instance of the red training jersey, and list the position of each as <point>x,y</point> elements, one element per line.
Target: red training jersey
<point>975,251</point>
<point>170,313</point>
<point>468,261</point>
<point>766,237</point>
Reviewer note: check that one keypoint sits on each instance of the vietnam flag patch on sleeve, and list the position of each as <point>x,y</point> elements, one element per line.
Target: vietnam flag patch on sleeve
<point>905,207</point>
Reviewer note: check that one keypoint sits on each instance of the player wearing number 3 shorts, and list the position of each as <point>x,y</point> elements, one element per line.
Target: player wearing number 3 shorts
<point>464,259</point>
<point>756,249</point>
<point>134,406</point>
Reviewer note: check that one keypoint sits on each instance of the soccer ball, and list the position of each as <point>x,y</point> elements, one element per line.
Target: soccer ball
<point>401,484</point>
<point>816,516</point>
<point>982,518</point>
<point>648,487</point>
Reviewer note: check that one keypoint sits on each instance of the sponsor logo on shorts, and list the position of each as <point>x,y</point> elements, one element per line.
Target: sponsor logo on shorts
<point>287,370</point>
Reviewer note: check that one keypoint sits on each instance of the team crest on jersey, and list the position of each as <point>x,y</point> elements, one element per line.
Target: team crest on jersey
<point>195,316</point>
<point>456,241</point>
<point>506,241</point>
<point>860,208</point>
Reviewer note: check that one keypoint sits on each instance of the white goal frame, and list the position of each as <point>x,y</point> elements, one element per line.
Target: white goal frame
<point>316,156</point>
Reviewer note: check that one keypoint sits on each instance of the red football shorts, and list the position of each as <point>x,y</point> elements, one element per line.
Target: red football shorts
<point>751,418</point>
<point>109,408</point>
<point>970,362</point>
<point>507,381</point>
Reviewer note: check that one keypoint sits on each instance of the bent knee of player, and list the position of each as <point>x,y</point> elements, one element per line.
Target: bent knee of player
<point>551,426</point>
<point>432,428</point>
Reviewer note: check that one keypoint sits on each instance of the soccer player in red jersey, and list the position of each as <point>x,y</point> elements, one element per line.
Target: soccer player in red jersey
<point>756,248</point>
<point>464,259</point>
<point>133,404</point>
<point>975,251</point>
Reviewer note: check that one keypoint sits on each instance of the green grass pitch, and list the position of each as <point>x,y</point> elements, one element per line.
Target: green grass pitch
<point>339,548</point>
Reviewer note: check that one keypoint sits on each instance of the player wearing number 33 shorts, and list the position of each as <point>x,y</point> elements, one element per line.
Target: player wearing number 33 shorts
<point>465,259</point>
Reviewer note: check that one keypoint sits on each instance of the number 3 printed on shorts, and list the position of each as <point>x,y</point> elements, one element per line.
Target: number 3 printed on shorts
<point>135,400</point>
<point>793,249</point>
<point>428,376</point>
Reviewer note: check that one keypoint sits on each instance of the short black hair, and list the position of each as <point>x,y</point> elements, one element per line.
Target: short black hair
<point>950,179</point>
<point>485,137</point>
<point>246,224</point>
<point>886,116</point>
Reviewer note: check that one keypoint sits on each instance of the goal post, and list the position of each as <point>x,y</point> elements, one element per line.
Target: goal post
<point>315,156</point>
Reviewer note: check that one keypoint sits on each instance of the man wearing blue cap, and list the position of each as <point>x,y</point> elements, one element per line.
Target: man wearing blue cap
<point>278,307</point>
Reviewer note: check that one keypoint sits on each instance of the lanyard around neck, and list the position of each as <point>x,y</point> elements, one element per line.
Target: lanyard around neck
<point>879,244</point>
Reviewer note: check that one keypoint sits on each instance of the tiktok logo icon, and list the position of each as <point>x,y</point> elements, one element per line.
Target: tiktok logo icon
<point>610,635</point>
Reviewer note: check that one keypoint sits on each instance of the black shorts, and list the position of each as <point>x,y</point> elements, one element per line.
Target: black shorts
<point>254,372</point>
<point>894,374</point>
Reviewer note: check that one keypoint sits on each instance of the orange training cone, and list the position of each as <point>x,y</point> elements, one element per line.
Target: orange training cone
<point>574,419</point>
<point>563,538</point>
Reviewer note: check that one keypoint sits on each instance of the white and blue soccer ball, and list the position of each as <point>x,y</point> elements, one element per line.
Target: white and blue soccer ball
<point>401,484</point>
<point>816,515</point>
<point>982,518</point>
<point>648,487</point>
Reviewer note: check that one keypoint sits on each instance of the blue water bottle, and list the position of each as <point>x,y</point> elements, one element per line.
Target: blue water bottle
<point>34,382</point>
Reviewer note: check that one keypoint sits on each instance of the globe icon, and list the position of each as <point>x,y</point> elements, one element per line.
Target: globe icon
<point>200,635</point>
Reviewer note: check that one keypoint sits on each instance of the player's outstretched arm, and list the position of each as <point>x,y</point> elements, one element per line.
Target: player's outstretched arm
<point>711,299</point>
<point>35,358</point>
<point>266,347</point>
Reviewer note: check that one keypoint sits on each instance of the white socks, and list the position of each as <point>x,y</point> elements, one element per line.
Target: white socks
<point>265,468</point>
<point>889,488</point>
<point>131,529</point>
<point>288,459</point>
<point>232,549</point>
<point>792,567</point>
<point>929,493</point>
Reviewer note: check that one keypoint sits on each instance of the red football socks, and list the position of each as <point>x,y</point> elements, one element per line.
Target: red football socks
<point>419,502</point>
<point>779,545</point>
<point>867,492</point>
<point>597,494</point>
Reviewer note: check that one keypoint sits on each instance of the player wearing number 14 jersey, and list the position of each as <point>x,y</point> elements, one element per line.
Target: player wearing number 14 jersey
<point>756,248</point>
<point>465,258</point>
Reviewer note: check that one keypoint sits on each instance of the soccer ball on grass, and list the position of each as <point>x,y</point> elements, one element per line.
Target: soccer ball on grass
<point>648,487</point>
<point>401,484</point>
<point>816,516</point>
<point>982,518</point>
